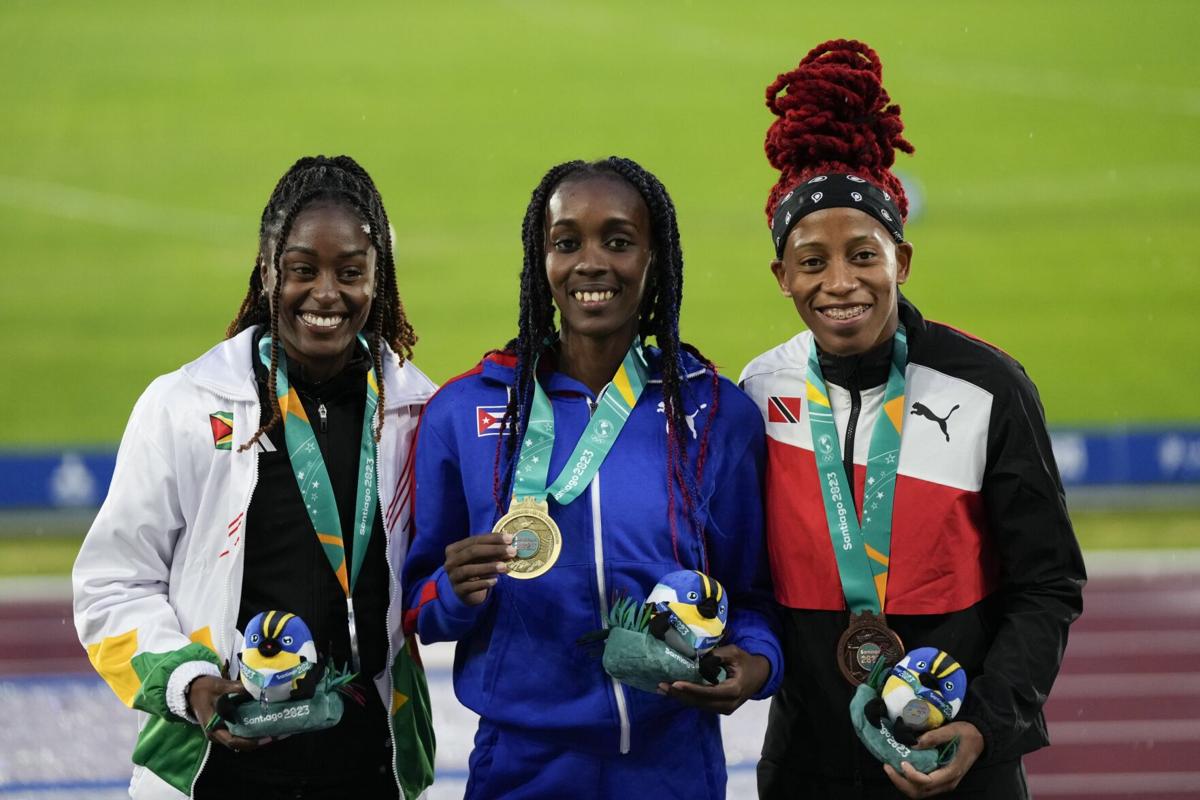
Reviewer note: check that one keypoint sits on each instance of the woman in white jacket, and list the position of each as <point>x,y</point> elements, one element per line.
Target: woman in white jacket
<point>210,518</point>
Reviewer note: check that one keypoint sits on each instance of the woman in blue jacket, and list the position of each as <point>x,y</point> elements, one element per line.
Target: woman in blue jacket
<point>656,465</point>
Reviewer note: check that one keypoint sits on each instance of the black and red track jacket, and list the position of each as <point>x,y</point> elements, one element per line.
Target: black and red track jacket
<point>984,562</point>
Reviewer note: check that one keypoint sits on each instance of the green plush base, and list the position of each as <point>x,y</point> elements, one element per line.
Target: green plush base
<point>880,742</point>
<point>254,720</point>
<point>643,662</point>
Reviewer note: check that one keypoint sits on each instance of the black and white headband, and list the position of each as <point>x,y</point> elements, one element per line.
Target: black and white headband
<point>834,191</point>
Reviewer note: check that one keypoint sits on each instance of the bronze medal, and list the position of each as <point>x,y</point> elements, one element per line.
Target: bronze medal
<point>535,536</point>
<point>866,641</point>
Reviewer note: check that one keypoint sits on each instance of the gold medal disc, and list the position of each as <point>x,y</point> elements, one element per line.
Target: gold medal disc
<point>535,535</point>
<point>868,639</point>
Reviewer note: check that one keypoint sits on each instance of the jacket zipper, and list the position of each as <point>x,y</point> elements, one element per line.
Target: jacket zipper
<point>598,550</point>
<point>848,450</point>
<point>324,415</point>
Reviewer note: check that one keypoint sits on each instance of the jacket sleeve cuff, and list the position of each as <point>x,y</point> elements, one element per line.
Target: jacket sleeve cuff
<point>770,651</point>
<point>445,617</point>
<point>452,606</point>
<point>980,725</point>
<point>177,685</point>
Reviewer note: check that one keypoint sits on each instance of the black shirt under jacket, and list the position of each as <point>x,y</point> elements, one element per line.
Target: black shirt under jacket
<point>286,569</point>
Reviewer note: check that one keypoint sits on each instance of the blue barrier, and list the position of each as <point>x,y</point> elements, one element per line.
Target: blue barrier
<point>1128,456</point>
<point>1086,457</point>
<point>63,479</point>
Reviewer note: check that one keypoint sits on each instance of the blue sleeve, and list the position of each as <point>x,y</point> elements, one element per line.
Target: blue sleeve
<point>736,533</point>
<point>441,517</point>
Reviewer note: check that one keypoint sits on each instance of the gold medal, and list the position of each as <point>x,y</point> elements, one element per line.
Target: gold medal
<point>866,641</point>
<point>535,535</point>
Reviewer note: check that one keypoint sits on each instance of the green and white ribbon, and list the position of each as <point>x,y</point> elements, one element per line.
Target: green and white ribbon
<point>312,478</point>
<point>862,551</point>
<point>613,406</point>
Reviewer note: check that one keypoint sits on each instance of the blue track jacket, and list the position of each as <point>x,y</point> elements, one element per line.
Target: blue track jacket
<point>517,663</point>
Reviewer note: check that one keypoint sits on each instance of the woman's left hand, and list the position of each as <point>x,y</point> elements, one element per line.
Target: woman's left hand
<point>914,783</point>
<point>745,674</point>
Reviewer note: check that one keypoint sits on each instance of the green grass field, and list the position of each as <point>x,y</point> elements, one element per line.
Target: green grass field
<point>1056,150</point>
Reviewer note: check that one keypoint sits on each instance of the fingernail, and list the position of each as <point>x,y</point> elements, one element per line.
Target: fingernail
<point>508,538</point>
<point>512,551</point>
<point>502,567</point>
<point>491,581</point>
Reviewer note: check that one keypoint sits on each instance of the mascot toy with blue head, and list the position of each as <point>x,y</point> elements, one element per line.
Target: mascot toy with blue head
<point>279,667</point>
<point>670,636</point>
<point>922,692</point>
<point>690,611</point>
<point>899,702</point>
<point>278,654</point>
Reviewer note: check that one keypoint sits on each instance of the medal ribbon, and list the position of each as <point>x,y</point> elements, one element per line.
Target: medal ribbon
<point>316,490</point>
<point>613,407</point>
<point>862,550</point>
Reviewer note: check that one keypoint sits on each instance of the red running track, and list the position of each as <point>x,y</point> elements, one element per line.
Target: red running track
<point>1124,715</point>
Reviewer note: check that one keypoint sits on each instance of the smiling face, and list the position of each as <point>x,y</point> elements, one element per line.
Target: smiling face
<point>842,268</point>
<point>598,248</point>
<point>328,270</point>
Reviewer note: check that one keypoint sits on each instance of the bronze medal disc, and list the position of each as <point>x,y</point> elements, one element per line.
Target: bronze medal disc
<point>866,641</point>
<point>535,536</point>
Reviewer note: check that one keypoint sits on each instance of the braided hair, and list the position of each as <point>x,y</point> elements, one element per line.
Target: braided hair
<point>658,317</point>
<point>835,116</point>
<point>313,180</point>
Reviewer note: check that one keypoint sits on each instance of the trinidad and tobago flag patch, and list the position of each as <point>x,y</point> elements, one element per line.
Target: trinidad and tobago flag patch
<point>783,409</point>
<point>222,429</point>
<point>487,420</point>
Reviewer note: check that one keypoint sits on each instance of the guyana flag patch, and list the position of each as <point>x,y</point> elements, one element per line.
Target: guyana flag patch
<point>222,429</point>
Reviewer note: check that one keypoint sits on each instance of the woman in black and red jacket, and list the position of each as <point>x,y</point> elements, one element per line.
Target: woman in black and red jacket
<point>983,561</point>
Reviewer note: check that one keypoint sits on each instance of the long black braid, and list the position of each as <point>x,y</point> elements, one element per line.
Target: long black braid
<point>340,180</point>
<point>658,317</point>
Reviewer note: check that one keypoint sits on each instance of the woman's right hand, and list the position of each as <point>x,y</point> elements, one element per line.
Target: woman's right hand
<point>474,564</point>
<point>202,695</point>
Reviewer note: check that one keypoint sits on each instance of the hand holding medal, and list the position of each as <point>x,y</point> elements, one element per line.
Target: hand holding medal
<point>535,539</point>
<point>474,564</point>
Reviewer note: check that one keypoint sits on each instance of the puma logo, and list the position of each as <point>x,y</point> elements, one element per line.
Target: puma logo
<point>923,411</point>
<point>690,418</point>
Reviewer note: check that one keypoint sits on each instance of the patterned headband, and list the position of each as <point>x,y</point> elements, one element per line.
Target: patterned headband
<point>834,191</point>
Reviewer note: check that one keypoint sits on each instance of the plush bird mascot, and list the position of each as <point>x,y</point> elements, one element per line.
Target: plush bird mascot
<point>670,636</point>
<point>897,703</point>
<point>280,669</point>
<point>923,692</point>
<point>278,654</point>
<point>690,611</point>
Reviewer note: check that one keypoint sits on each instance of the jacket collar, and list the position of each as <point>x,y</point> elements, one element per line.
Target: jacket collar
<point>865,370</point>
<point>911,318</point>
<point>500,367</point>
<point>227,370</point>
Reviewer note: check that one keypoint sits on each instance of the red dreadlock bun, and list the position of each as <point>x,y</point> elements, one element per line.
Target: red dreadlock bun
<point>834,117</point>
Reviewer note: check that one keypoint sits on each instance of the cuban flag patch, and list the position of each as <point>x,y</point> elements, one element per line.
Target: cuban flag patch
<point>783,409</point>
<point>487,420</point>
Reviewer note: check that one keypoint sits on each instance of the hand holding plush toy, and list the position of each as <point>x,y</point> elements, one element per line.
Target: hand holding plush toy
<point>896,705</point>
<point>669,637</point>
<point>279,667</point>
